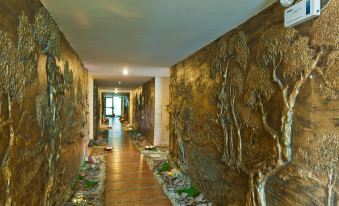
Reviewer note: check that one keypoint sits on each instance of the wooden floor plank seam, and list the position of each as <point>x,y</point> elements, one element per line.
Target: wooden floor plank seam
<point>129,181</point>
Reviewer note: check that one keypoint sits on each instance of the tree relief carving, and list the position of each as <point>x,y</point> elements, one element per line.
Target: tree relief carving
<point>47,33</point>
<point>180,115</point>
<point>69,95</point>
<point>26,50</point>
<point>284,63</point>
<point>323,160</point>
<point>55,99</point>
<point>329,87</point>
<point>281,49</point>
<point>18,64</point>
<point>229,67</point>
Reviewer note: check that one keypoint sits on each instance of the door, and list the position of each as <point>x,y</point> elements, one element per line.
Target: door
<point>108,106</point>
<point>117,106</point>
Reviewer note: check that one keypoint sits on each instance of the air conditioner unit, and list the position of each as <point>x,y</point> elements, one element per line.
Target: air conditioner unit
<point>301,12</point>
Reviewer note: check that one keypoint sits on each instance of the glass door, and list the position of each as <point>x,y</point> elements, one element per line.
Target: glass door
<point>109,106</point>
<point>117,106</point>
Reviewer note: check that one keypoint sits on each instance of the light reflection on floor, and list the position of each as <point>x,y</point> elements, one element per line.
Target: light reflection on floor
<point>129,181</point>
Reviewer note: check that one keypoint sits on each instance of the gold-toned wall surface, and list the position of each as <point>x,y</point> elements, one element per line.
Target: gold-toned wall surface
<point>143,109</point>
<point>43,107</point>
<point>254,115</point>
<point>96,107</point>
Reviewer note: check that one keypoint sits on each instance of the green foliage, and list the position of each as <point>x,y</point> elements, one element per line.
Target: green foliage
<point>154,149</point>
<point>90,183</point>
<point>191,191</point>
<point>164,167</point>
<point>80,177</point>
<point>133,132</point>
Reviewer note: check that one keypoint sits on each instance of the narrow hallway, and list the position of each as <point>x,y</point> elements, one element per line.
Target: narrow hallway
<point>129,181</point>
<point>219,103</point>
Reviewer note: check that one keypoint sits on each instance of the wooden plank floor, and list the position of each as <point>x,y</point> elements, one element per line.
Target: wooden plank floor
<point>129,181</point>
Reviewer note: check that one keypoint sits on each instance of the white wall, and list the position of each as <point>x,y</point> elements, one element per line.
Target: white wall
<point>91,106</point>
<point>161,116</point>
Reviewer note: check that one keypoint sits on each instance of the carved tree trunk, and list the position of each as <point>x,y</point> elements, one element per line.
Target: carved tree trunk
<point>222,116</point>
<point>233,94</point>
<point>331,183</point>
<point>256,195</point>
<point>282,139</point>
<point>7,156</point>
<point>54,133</point>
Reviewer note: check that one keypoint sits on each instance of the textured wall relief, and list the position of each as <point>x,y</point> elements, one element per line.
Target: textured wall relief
<point>231,88</point>
<point>256,85</point>
<point>47,33</point>
<point>39,112</point>
<point>181,116</point>
<point>17,71</point>
<point>144,109</point>
<point>323,161</point>
<point>96,106</point>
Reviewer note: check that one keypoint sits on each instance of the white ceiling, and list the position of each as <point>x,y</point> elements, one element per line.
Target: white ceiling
<point>147,36</point>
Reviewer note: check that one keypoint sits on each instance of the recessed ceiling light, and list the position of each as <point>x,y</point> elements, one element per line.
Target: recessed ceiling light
<point>125,71</point>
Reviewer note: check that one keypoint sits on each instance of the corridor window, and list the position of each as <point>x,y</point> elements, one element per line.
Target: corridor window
<point>117,106</point>
<point>109,106</point>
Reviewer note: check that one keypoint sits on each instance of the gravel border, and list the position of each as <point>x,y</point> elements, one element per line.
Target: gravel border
<point>89,187</point>
<point>171,180</point>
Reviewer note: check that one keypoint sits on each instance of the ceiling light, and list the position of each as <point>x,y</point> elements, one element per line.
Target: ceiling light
<point>125,72</point>
<point>116,90</point>
<point>286,3</point>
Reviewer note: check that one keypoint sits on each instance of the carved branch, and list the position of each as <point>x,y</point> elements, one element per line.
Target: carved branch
<point>22,119</point>
<point>320,71</point>
<point>267,127</point>
<point>288,112</point>
<point>223,107</point>
<point>279,83</point>
<point>7,173</point>
<point>274,133</point>
<point>303,77</point>
<point>180,106</point>
<point>277,64</point>
<point>256,196</point>
<point>331,182</point>
<point>233,94</point>
<point>238,126</point>
<point>5,124</point>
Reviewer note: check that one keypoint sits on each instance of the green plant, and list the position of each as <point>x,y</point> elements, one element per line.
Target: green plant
<point>165,166</point>
<point>191,191</point>
<point>80,177</point>
<point>90,183</point>
<point>154,149</point>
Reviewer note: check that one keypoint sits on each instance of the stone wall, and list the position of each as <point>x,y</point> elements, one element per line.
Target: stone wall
<point>97,110</point>
<point>91,114</point>
<point>254,115</point>
<point>143,109</point>
<point>43,107</point>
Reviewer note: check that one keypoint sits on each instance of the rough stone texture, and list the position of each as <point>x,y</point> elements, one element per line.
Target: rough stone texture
<point>96,105</point>
<point>254,115</point>
<point>43,107</point>
<point>143,110</point>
